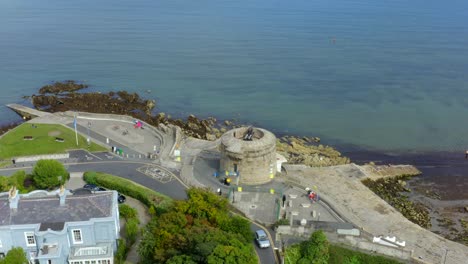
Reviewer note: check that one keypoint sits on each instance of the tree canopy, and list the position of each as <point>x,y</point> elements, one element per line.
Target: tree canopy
<point>198,230</point>
<point>48,174</point>
<point>15,255</point>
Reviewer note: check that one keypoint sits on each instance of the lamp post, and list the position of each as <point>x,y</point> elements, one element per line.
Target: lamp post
<point>233,191</point>
<point>89,126</point>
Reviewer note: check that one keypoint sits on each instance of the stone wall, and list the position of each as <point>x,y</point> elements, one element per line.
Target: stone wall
<point>41,157</point>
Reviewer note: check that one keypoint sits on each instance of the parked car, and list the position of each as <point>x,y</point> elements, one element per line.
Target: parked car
<point>92,187</point>
<point>121,198</point>
<point>262,239</point>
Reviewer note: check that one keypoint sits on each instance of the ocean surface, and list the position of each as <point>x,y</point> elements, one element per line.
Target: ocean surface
<point>387,76</point>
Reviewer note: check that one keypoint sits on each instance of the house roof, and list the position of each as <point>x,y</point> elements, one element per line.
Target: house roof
<point>47,209</point>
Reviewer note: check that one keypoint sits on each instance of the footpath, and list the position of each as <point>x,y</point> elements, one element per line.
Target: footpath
<point>339,186</point>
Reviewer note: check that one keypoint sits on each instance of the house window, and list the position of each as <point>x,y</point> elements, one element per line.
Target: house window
<point>77,238</point>
<point>30,239</point>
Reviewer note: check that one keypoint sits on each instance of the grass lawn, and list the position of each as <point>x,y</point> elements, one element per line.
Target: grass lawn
<point>339,255</point>
<point>13,144</point>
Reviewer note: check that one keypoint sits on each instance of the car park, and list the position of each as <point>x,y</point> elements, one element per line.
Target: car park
<point>262,239</point>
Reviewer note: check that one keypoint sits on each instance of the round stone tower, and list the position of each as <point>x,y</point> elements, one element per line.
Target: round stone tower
<point>250,153</point>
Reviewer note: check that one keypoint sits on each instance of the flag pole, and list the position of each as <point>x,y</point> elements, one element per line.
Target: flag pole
<point>74,124</point>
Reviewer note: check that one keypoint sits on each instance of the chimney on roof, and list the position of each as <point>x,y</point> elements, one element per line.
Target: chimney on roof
<point>13,198</point>
<point>62,194</point>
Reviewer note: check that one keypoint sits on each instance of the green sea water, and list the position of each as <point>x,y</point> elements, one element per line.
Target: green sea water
<point>384,75</point>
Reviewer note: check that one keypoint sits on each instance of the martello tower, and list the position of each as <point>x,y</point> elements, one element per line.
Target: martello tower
<point>250,152</point>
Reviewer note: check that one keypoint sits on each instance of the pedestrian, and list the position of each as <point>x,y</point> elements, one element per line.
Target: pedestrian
<point>466,154</point>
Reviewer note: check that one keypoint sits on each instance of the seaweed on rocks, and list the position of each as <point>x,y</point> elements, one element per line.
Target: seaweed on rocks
<point>393,190</point>
<point>304,150</point>
<point>61,87</point>
<point>59,99</point>
<point>6,128</point>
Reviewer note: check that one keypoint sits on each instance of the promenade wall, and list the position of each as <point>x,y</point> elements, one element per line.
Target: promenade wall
<point>41,157</point>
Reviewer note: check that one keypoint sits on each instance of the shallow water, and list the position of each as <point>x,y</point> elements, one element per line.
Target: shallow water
<point>388,75</point>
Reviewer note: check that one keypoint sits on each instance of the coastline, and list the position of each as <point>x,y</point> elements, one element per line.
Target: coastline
<point>382,157</point>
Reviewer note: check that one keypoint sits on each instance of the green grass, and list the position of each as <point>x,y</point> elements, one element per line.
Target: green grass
<point>340,255</point>
<point>13,144</point>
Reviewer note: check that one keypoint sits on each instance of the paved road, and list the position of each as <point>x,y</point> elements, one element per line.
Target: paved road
<point>124,169</point>
<point>266,255</point>
<point>128,169</point>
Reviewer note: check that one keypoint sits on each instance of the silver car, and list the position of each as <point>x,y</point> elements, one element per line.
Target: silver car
<point>262,239</point>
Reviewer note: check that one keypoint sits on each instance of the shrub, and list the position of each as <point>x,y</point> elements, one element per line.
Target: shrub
<point>282,221</point>
<point>48,174</point>
<point>19,179</point>
<point>121,253</point>
<point>131,228</point>
<point>127,187</point>
<point>127,212</point>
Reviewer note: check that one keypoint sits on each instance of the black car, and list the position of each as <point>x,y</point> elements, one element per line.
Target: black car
<point>121,198</point>
<point>92,187</point>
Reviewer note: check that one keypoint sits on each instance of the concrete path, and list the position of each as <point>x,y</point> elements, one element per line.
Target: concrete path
<point>342,188</point>
<point>144,217</point>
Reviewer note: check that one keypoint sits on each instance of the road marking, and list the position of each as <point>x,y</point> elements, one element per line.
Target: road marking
<point>156,173</point>
<point>94,155</point>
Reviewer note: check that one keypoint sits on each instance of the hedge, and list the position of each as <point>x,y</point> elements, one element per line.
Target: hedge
<point>146,196</point>
<point>122,251</point>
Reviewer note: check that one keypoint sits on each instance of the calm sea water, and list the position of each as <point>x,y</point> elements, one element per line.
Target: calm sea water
<point>386,75</point>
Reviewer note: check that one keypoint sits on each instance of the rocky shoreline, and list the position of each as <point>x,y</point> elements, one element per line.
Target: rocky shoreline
<point>65,96</point>
<point>68,95</point>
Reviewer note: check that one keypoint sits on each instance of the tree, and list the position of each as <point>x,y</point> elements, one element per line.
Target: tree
<point>237,225</point>
<point>316,249</point>
<point>199,229</point>
<point>232,254</point>
<point>181,259</point>
<point>16,255</point>
<point>48,174</point>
